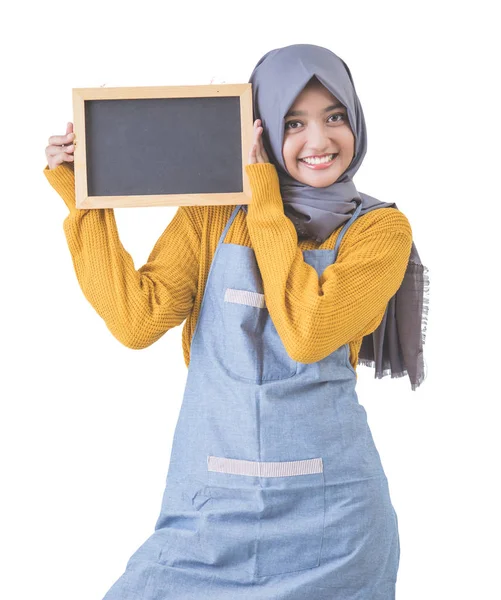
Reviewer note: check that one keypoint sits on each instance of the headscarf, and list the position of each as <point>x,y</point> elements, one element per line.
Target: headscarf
<point>396,347</point>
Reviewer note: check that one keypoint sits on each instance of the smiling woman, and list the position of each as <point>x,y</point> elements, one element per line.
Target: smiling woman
<point>275,488</point>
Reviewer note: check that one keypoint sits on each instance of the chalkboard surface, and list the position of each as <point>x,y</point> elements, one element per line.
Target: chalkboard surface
<point>162,146</point>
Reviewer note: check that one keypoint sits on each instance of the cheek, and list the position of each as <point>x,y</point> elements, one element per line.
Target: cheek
<point>290,155</point>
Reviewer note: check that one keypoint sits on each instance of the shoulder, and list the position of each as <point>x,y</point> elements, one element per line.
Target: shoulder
<point>381,221</point>
<point>193,217</point>
<point>380,236</point>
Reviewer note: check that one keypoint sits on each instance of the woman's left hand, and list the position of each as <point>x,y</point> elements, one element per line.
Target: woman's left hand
<point>257,152</point>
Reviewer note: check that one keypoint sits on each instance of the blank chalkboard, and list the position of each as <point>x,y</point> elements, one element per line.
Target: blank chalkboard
<point>170,145</point>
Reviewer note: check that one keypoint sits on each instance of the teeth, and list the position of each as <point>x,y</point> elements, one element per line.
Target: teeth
<point>318,161</point>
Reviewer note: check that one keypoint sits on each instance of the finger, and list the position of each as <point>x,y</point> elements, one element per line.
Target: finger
<point>257,137</point>
<point>264,153</point>
<point>258,153</point>
<point>252,154</point>
<point>59,140</point>
<point>255,134</point>
<point>255,151</point>
<point>68,149</point>
<point>54,150</point>
<point>260,147</point>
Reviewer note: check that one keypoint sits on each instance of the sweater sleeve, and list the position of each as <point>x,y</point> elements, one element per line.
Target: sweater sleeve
<point>137,306</point>
<point>316,315</point>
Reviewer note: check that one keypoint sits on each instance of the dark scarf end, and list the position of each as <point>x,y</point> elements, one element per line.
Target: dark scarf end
<point>394,375</point>
<point>426,303</point>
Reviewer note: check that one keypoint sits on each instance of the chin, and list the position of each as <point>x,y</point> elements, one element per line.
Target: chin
<point>316,182</point>
<point>322,186</point>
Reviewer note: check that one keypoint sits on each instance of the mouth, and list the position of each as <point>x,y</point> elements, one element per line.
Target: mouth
<point>319,163</point>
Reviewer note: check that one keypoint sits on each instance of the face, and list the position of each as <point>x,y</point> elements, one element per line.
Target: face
<point>310,130</point>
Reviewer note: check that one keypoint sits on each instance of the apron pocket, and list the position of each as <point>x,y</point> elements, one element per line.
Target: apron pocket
<point>253,349</point>
<point>291,527</point>
<point>278,516</point>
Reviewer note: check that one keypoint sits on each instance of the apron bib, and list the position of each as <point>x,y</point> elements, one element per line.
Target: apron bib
<point>275,488</point>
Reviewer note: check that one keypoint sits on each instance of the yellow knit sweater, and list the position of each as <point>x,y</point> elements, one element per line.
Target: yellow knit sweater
<point>313,315</point>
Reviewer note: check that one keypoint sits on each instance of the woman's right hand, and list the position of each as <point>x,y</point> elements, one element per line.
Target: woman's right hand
<point>57,151</point>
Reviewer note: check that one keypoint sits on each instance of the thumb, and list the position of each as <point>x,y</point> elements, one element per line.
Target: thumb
<point>69,128</point>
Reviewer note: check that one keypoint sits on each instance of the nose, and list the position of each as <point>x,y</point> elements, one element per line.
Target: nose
<point>318,139</point>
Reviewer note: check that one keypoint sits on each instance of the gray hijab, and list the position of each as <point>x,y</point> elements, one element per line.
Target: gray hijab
<point>396,347</point>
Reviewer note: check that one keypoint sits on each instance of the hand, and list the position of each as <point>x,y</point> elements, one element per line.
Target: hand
<point>257,152</point>
<point>55,152</point>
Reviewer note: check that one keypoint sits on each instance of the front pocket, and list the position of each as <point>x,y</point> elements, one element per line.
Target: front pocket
<point>253,349</point>
<point>278,516</point>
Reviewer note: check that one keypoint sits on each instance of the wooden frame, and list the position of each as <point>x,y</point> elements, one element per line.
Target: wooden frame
<point>80,95</point>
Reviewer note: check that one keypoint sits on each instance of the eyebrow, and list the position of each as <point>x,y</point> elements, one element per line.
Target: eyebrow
<point>301,113</point>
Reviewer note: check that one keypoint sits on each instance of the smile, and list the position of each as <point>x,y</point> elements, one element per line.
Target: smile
<point>319,163</point>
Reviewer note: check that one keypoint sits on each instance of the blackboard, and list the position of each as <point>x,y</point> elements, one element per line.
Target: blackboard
<point>169,145</point>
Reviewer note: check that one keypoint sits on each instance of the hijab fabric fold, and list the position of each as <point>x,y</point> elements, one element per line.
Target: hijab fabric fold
<point>396,347</point>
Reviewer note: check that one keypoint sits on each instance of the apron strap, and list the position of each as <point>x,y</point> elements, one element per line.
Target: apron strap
<point>230,221</point>
<point>345,228</point>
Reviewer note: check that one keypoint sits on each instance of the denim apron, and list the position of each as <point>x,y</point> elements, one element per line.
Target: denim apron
<point>275,489</point>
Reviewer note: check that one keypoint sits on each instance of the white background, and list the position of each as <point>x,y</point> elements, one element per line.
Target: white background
<point>86,424</point>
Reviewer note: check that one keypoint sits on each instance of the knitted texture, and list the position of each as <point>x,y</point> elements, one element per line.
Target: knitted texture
<point>313,315</point>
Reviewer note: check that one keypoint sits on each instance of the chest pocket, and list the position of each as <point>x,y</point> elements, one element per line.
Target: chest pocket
<point>253,350</point>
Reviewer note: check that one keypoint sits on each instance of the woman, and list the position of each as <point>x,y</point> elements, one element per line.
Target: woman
<point>275,488</point>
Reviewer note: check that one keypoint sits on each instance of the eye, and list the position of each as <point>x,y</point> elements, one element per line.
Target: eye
<point>289,124</point>
<point>343,118</point>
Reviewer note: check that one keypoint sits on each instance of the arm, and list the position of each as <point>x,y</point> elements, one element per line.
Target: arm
<point>138,306</point>
<point>315,316</point>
